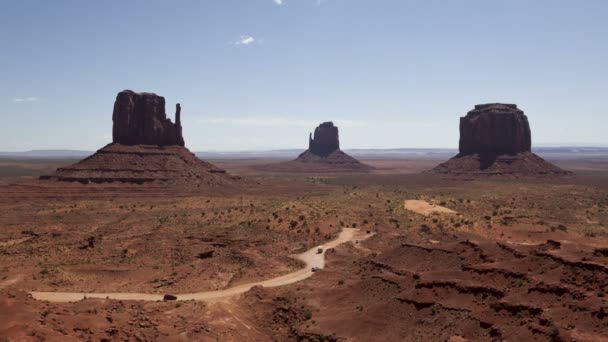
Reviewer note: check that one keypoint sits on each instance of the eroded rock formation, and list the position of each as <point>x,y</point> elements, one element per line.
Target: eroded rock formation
<point>147,148</point>
<point>495,128</point>
<point>140,119</point>
<point>325,140</point>
<point>495,139</point>
<point>323,155</point>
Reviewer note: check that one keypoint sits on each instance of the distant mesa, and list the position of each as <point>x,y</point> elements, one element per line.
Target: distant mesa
<point>325,140</point>
<point>323,155</point>
<point>495,139</point>
<point>495,128</point>
<point>147,147</point>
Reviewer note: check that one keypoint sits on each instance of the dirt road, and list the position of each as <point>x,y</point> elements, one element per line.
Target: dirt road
<point>311,258</point>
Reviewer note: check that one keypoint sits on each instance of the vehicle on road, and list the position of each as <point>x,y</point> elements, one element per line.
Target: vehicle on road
<point>315,269</point>
<point>169,297</point>
<point>319,249</point>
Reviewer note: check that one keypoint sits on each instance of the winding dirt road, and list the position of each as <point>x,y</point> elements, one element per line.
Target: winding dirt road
<point>310,258</point>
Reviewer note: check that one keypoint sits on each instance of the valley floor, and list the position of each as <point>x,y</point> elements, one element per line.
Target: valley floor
<point>517,259</point>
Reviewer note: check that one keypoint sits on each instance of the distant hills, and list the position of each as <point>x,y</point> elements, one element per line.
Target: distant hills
<point>47,154</point>
<point>395,153</point>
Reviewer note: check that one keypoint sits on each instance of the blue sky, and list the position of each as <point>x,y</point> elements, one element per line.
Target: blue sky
<point>261,74</point>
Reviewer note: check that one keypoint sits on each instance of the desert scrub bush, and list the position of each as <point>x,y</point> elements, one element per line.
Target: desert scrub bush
<point>425,229</point>
<point>555,334</point>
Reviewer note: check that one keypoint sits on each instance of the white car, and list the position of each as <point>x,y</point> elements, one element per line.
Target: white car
<point>315,269</point>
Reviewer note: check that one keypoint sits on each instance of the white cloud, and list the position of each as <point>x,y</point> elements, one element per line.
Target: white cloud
<point>278,2</point>
<point>245,40</point>
<point>26,99</point>
<point>277,122</point>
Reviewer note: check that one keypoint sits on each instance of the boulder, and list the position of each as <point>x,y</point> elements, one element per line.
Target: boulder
<point>140,119</point>
<point>206,254</point>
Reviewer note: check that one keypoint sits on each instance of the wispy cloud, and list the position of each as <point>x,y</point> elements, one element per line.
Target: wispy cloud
<point>278,2</point>
<point>277,122</point>
<point>26,99</point>
<point>245,40</point>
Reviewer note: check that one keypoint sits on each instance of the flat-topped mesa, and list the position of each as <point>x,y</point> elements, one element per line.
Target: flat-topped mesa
<point>140,119</point>
<point>325,140</point>
<point>495,139</point>
<point>494,129</point>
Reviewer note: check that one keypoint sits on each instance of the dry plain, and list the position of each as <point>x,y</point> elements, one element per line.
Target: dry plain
<point>523,259</point>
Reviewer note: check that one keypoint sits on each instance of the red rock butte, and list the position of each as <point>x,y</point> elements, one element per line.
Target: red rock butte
<point>147,147</point>
<point>495,139</point>
<point>495,128</point>
<point>323,155</point>
<point>325,141</point>
<point>140,119</point>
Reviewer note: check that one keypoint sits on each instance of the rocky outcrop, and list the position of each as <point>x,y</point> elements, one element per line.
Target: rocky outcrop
<point>325,140</point>
<point>495,139</point>
<point>323,155</point>
<point>147,148</point>
<point>140,119</point>
<point>495,128</point>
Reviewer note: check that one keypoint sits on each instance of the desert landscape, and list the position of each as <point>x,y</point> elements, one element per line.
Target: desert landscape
<point>145,243</point>
<point>303,171</point>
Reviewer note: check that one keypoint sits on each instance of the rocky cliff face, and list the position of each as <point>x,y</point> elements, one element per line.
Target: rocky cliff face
<point>325,140</point>
<point>140,119</point>
<point>494,129</point>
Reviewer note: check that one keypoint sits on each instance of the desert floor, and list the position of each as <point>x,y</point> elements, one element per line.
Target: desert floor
<point>520,259</point>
